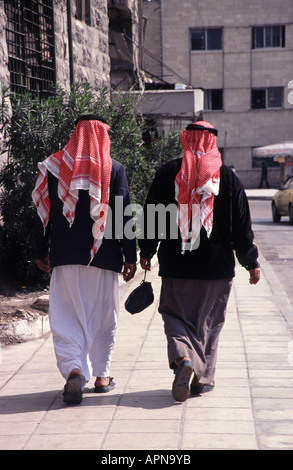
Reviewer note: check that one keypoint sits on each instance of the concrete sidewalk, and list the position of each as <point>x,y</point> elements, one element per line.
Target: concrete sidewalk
<point>250,408</point>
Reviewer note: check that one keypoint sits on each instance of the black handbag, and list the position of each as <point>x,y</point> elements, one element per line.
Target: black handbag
<point>140,298</point>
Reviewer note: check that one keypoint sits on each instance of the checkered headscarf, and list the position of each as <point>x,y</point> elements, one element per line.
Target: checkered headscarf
<point>84,163</point>
<point>197,182</point>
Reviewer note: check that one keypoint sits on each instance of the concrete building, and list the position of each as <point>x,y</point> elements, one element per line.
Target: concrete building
<point>241,54</point>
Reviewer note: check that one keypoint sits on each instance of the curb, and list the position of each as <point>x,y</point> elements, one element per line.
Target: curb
<point>30,325</point>
<point>20,331</point>
<point>259,198</point>
<point>35,325</point>
<point>261,195</point>
<point>283,303</point>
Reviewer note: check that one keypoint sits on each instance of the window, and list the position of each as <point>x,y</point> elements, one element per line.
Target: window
<point>269,162</point>
<point>83,11</point>
<point>268,36</point>
<point>30,43</point>
<point>206,39</point>
<point>213,100</point>
<point>267,98</point>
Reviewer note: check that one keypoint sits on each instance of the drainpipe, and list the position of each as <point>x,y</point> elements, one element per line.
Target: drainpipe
<point>69,25</point>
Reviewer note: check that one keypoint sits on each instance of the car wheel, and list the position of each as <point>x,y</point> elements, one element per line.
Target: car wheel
<point>275,213</point>
<point>291,214</point>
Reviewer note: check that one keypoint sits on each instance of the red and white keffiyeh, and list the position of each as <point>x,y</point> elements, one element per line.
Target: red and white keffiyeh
<point>197,183</point>
<point>84,163</point>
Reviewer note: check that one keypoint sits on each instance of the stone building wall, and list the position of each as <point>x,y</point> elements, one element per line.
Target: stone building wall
<point>4,73</point>
<point>90,46</point>
<point>90,43</point>
<point>91,62</point>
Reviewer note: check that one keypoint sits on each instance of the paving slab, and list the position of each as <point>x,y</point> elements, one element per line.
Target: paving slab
<point>251,407</point>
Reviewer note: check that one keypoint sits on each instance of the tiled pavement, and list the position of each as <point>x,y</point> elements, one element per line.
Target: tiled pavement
<point>251,407</point>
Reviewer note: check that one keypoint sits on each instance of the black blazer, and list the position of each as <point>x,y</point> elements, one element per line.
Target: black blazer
<point>72,245</point>
<point>214,258</point>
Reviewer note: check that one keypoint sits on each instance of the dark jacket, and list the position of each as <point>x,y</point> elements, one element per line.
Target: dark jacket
<point>72,245</point>
<point>214,259</point>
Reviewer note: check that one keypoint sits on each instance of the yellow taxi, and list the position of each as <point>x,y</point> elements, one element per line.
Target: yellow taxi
<point>282,203</point>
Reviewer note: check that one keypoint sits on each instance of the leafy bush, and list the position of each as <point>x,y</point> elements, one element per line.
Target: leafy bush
<point>37,129</point>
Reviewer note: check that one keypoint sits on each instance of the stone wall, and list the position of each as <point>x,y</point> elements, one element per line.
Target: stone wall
<point>4,73</point>
<point>90,43</point>
<point>90,46</point>
<point>91,62</point>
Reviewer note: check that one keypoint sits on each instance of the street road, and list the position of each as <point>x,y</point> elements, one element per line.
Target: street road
<point>275,242</point>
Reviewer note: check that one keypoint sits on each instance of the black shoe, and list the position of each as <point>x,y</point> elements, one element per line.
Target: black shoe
<point>72,394</point>
<point>180,387</point>
<point>199,389</point>
<point>105,388</point>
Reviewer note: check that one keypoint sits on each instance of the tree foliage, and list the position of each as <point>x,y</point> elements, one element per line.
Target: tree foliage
<point>37,128</point>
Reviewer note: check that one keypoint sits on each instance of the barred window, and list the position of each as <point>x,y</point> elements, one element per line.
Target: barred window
<point>30,42</point>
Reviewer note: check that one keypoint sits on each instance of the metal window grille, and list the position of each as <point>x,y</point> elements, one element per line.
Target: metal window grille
<point>30,42</point>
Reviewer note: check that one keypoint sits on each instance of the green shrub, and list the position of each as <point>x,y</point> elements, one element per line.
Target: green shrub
<point>37,129</point>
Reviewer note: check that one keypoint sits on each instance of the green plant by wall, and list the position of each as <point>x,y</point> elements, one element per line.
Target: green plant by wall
<point>35,129</point>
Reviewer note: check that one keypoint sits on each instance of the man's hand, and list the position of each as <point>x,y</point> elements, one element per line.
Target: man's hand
<point>254,276</point>
<point>43,264</point>
<point>145,264</point>
<point>128,271</point>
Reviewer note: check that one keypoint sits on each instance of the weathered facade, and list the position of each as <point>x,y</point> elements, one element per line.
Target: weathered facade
<point>240,53</point>
<point>82,51</point>
<point>48,42</point>
<point>44,43</point>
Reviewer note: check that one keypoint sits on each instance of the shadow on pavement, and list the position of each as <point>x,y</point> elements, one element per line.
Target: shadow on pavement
<point>52,400</point>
